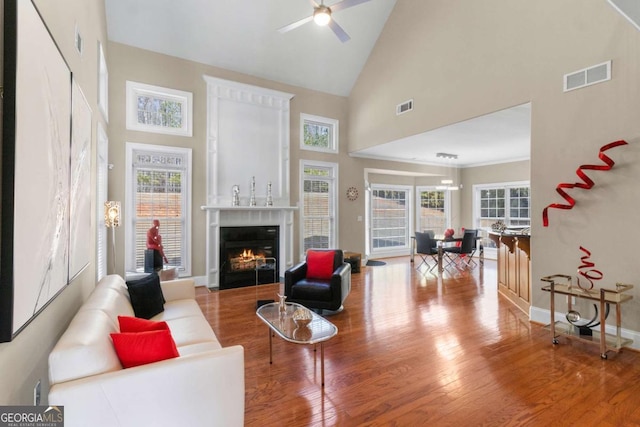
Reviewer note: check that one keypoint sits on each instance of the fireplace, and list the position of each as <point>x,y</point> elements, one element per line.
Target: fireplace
<point>248,254</point>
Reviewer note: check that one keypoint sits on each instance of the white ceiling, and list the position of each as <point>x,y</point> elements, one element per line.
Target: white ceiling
<point>241,35</point>
<point>499,137</point>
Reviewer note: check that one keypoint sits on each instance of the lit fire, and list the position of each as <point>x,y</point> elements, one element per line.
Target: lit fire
<point>248,255</point>
<point>245,260</point>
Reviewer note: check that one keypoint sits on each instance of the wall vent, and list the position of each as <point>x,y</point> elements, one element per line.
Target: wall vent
<point>588,76</point>
<point>404,107</point>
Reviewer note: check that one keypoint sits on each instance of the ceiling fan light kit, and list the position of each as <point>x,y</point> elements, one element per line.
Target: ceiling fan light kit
<point>322,16</point>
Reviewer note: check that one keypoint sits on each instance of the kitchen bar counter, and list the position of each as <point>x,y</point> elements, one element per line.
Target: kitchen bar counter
<point>514,267</point>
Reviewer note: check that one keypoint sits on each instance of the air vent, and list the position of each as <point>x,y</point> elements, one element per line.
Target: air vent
<point>588,76</point>
<point>405,107</point>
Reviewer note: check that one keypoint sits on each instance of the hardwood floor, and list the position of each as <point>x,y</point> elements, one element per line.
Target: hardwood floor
<point>416,349</point>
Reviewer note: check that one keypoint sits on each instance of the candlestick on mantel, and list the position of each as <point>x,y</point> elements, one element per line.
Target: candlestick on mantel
<point>252,199</point>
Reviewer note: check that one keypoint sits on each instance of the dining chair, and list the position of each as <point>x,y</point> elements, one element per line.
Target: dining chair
<point>426,247</point>
<point>466,250</point>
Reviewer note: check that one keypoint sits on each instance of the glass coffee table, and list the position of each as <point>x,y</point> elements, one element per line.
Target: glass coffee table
<point>281,324</point>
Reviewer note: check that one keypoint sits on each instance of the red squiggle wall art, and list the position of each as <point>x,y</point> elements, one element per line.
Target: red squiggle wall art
<point>585,270</point>
<point>587,182</point>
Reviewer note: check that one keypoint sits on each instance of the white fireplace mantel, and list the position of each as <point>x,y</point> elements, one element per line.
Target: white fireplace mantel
<point>242,216</point>
<point>247,143</point>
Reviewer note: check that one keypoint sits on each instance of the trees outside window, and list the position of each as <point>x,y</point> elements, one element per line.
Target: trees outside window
<point>159,109</point>
<point>389,217</point>
<point>158,187</point>
<point>319,204</point>
<point>318,133</point>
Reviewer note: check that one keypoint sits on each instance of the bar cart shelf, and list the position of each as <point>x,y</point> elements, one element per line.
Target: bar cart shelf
<point>560,284</point>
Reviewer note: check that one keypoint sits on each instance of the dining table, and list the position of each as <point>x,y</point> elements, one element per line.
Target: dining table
<point>441,241</point>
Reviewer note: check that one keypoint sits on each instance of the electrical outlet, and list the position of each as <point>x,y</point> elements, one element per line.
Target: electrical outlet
<point>36,393</point>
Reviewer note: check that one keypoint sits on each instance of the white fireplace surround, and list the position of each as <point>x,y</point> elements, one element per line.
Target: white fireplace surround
<point>247,138</point>
<point>228,216</point>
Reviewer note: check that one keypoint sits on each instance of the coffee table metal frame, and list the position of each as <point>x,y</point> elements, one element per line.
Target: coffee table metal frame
<point>281,323</point>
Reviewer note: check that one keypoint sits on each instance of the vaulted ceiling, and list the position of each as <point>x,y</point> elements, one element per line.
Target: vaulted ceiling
<point>241,35</point>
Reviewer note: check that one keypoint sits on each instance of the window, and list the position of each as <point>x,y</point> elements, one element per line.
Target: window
<point>158,109</point>
<point>389,217</point>
<point>319,204</point>
<point>318,133</point>
<point>103,84</point>
<point>433,209</point>
<point>158,187</point>
<point>507,202</point>
<point>102,168</point>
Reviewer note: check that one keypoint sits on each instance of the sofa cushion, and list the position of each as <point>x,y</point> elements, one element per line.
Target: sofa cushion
<point>146,296</point>
<point>110,296</point>
<point>136,324</point>
<point>135,349</point>
<point>191,330</point>
<point>84,349</point>
<point>178,309</point>
<point>202,347</point>
<point>320,264</point>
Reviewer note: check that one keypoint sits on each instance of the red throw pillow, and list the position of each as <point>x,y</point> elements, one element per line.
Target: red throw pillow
<point>135,349</point>
<point>137,324</point>
<point>320,264</point>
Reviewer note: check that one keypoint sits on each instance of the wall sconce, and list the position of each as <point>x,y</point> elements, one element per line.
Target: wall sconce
<point>112,220</point>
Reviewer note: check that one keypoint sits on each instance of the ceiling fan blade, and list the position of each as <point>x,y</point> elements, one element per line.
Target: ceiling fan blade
<point>342,35</point>
<point>314,4</point>
<point>344,4</point>
<point>296,24</point>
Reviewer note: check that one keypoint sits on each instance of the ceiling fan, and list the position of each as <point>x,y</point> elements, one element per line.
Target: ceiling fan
<point>322,16</point>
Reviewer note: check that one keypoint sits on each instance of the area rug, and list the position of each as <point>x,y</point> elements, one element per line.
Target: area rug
<point>374,263</point>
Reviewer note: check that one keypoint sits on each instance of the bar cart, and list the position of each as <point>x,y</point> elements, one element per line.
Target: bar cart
<point>560,284</point>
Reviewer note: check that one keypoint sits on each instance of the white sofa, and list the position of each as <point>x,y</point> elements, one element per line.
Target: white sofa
<point>204,386</point>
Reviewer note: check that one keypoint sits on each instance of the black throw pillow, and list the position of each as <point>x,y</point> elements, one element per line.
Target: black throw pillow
<point>146,296</point>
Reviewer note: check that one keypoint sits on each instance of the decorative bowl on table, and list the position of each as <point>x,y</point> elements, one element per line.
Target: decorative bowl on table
<point>302,317</point>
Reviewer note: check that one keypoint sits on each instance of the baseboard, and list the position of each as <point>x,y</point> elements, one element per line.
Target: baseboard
<point>201,281</point>
<point>543,316</point>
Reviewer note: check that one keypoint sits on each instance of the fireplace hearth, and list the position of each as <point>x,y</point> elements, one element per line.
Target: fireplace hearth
<point>248,254</point>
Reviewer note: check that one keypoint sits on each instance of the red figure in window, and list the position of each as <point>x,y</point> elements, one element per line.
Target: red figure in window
<point>154,241</point>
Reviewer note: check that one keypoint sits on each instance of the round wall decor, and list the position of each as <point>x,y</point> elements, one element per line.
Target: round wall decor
<point>352,193</point>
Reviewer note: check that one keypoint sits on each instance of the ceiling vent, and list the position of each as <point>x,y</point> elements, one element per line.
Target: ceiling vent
<point>588,76</point>
<point>405,107</point>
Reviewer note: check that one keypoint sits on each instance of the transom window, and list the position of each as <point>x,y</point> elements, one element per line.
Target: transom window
<point>318,133</point>
<point>159,187</point>
<point>158,109</point>
<point>319,205</point>
<point>433,209</point>
<point>389,217</point>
